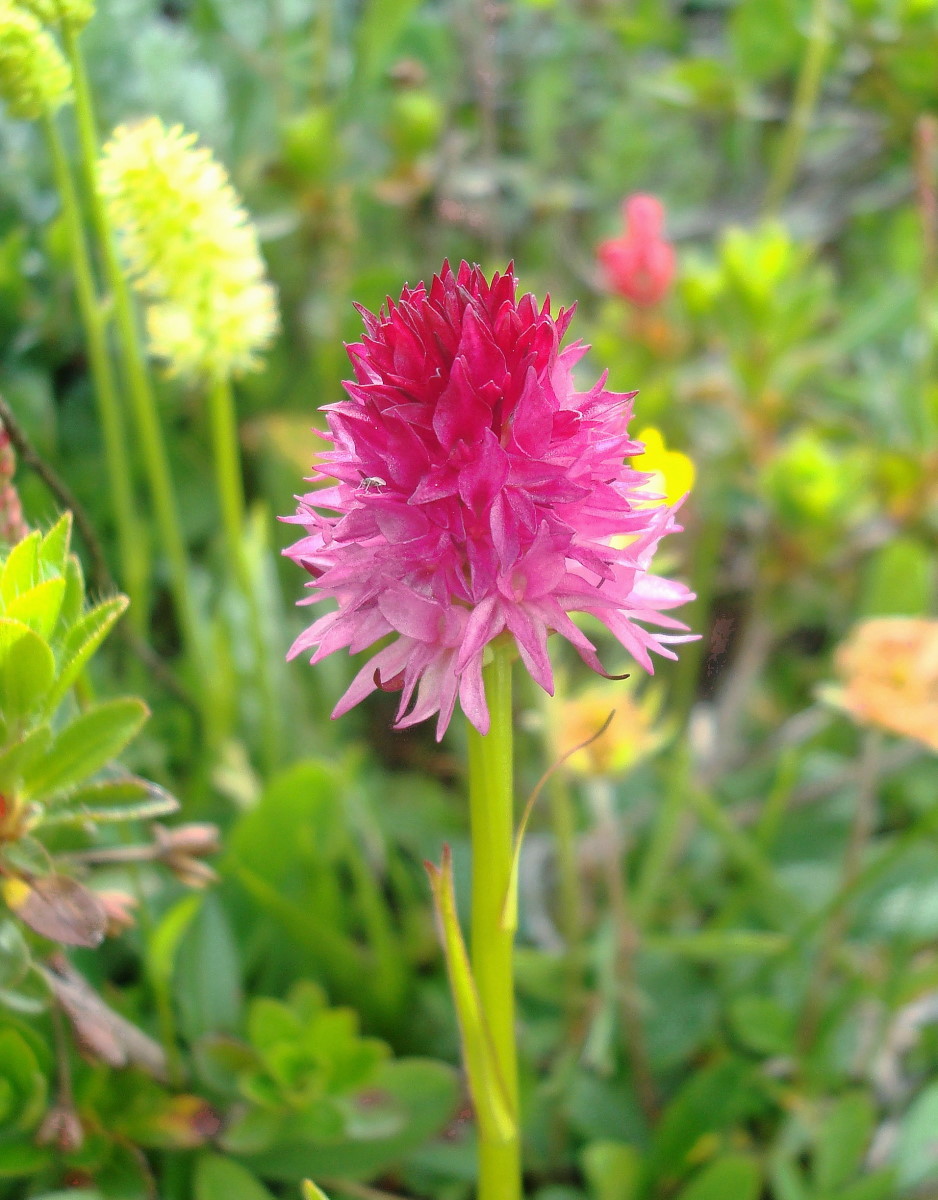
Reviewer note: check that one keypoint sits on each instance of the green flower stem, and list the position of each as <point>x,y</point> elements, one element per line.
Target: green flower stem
<point>231,497</point>
<point>146,416</point>
<point>131,539</point>
<point>492,821</point>
<point>807,91</point>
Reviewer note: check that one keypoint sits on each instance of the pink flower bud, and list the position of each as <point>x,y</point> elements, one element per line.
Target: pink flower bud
<point>640,263</point>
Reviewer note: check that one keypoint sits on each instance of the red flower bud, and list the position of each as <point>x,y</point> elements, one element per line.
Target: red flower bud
<point>640,263</point>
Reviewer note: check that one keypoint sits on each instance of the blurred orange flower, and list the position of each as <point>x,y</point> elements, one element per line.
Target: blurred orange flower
<point>889,672</point>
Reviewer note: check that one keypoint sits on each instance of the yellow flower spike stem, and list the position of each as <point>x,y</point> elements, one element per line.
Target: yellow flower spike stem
<point>491,813</point>
<point>149,431</point>
<point>231,498</point>
<point>131,536</point>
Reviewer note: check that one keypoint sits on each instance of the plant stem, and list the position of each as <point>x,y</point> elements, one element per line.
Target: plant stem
<point>807,90</point>
<point>492,823</point>
<point>146,415</point>
<point>231,497</point>
<point>131,539</point>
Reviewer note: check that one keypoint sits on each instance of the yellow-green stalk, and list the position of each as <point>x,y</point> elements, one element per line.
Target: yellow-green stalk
<point>143,402</point>
<point>193,254</point>
<point>491,814</point>
<point>131,536</point>
<point>35,81</point>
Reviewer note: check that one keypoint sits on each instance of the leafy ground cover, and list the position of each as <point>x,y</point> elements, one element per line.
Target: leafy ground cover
<point>219,971</point>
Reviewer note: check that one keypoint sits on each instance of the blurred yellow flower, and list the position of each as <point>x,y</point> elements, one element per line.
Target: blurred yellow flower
<point>673,473</point>
<point>634,733</point>
<point>74,13</point>
<point>889,672</point>
<point>191,249</point>
<point>35,79</point>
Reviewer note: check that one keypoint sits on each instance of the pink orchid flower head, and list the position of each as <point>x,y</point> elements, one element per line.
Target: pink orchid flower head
<point>472,492</point>
<point>640,264</point>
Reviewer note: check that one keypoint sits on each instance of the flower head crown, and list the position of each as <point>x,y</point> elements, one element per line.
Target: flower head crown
<point>478,494</point>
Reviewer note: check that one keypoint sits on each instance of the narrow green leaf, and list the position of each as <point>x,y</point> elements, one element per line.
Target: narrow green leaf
<point>54,547</point>
<point>39,606</point>
<point>143,810</point>
<point>492,1105</point>
<point>84,637</point>
<point>121,791</point>
<point>86,745</point>
<point>19,758</point>
<point>27,669</point>
<point>74,592</point>
<point>162,947</point>
<point>312,1192</point>
<point>21,569</point>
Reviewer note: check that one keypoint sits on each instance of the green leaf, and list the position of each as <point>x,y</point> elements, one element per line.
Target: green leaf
<point>877,1185</point>
<point>22,1158</point>
<point>27,669</point>
<point>27,1085</point>
<point>86,745</point>
<point>74,592</point>
<point>899,580</point>
<point>426,1094</point>
<point>379,28</point>
<point>914,1153</point>
<point>612,1169</point>
<point>207,976</point>
<point>53,549</point>
<point>712,1100</point>
<point>39,606</point>
<point>126,798</point>
<point>83,638</point>
<point>21,569</point>
<point>312,1192</point>
<point>842,1141</point>
<point>19,758</point>
<point>762,1024</point>
<point>14,954</point>
<point>733,1175</point>
<point>164,942</point>
<point>218,1178</point>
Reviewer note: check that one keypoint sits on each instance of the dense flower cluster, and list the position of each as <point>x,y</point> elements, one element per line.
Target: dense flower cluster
<point>478,494</point>
<point>191,249</point>
<point>35,79</point>
<point>74,13</point>
<point>640,263</point>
